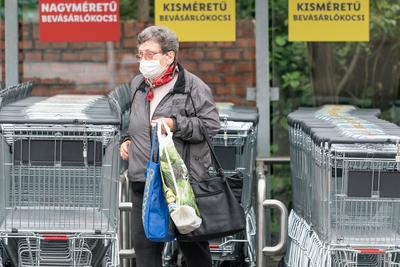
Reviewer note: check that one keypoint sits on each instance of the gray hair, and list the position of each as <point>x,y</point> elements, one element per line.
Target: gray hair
<point>166,38</point>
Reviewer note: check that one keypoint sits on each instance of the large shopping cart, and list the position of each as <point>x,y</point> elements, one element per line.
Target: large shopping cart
<point>59,179</point>
<point>235,145</point>
<point>345,175</point>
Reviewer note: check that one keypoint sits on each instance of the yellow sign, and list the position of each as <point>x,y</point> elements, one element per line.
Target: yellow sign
<point>198,20</point>
<point>329,20</point>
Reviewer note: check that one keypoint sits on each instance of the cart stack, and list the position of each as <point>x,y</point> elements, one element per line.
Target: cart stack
<point>345,166</point>
<point>58,179</point>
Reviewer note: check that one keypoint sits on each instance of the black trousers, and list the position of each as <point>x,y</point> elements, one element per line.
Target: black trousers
<point>149,254</point>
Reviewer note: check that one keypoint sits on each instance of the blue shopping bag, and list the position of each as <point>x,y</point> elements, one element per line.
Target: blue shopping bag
<point>156,221</point>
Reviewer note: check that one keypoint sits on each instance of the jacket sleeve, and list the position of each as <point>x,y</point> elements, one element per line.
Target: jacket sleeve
<point>134,84</point>
<point>189,128</point>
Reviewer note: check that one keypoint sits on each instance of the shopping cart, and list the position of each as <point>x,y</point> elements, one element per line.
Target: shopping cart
<point>235,146</point>
<point>345,174</point>
<point>59,179</point>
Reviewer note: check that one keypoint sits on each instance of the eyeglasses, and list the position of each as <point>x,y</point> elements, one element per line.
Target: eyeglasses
<point>147,55</point>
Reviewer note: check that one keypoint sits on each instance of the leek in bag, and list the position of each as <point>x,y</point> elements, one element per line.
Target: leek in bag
<point>178,191</point>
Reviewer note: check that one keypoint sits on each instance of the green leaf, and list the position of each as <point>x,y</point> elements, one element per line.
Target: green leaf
<point>295,84</point>
<point>280,40</point>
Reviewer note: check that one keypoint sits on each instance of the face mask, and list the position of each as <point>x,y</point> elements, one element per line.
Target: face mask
<point>151,69</point>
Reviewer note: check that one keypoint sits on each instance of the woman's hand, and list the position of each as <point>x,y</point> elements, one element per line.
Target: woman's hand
<point>123,149</point>
<point>168,121</point>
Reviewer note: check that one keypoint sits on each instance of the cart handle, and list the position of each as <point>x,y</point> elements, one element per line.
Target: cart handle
<point>262,204</point>
<point>124,206</point>
<point>125,253</point>
<point>273,203</point>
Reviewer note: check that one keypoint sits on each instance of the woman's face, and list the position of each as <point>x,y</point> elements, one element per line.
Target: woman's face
<point>151,50</point>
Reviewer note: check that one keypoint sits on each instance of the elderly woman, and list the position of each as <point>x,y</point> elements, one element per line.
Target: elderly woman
<point>166,91</point>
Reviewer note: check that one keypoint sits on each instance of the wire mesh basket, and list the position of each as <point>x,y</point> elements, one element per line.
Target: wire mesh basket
<point>58,178</point>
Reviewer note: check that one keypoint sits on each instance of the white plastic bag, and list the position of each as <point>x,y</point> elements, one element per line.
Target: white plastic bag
<point>178,191</point>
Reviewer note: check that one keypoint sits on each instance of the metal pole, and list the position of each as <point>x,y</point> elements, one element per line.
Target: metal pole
<point>126,253</point>
<point>274,160</point>
<point>123,231</point>
<point>263,91</point>
<point>11,41</point>
<point>261,195</point>
<point>262,78</point>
